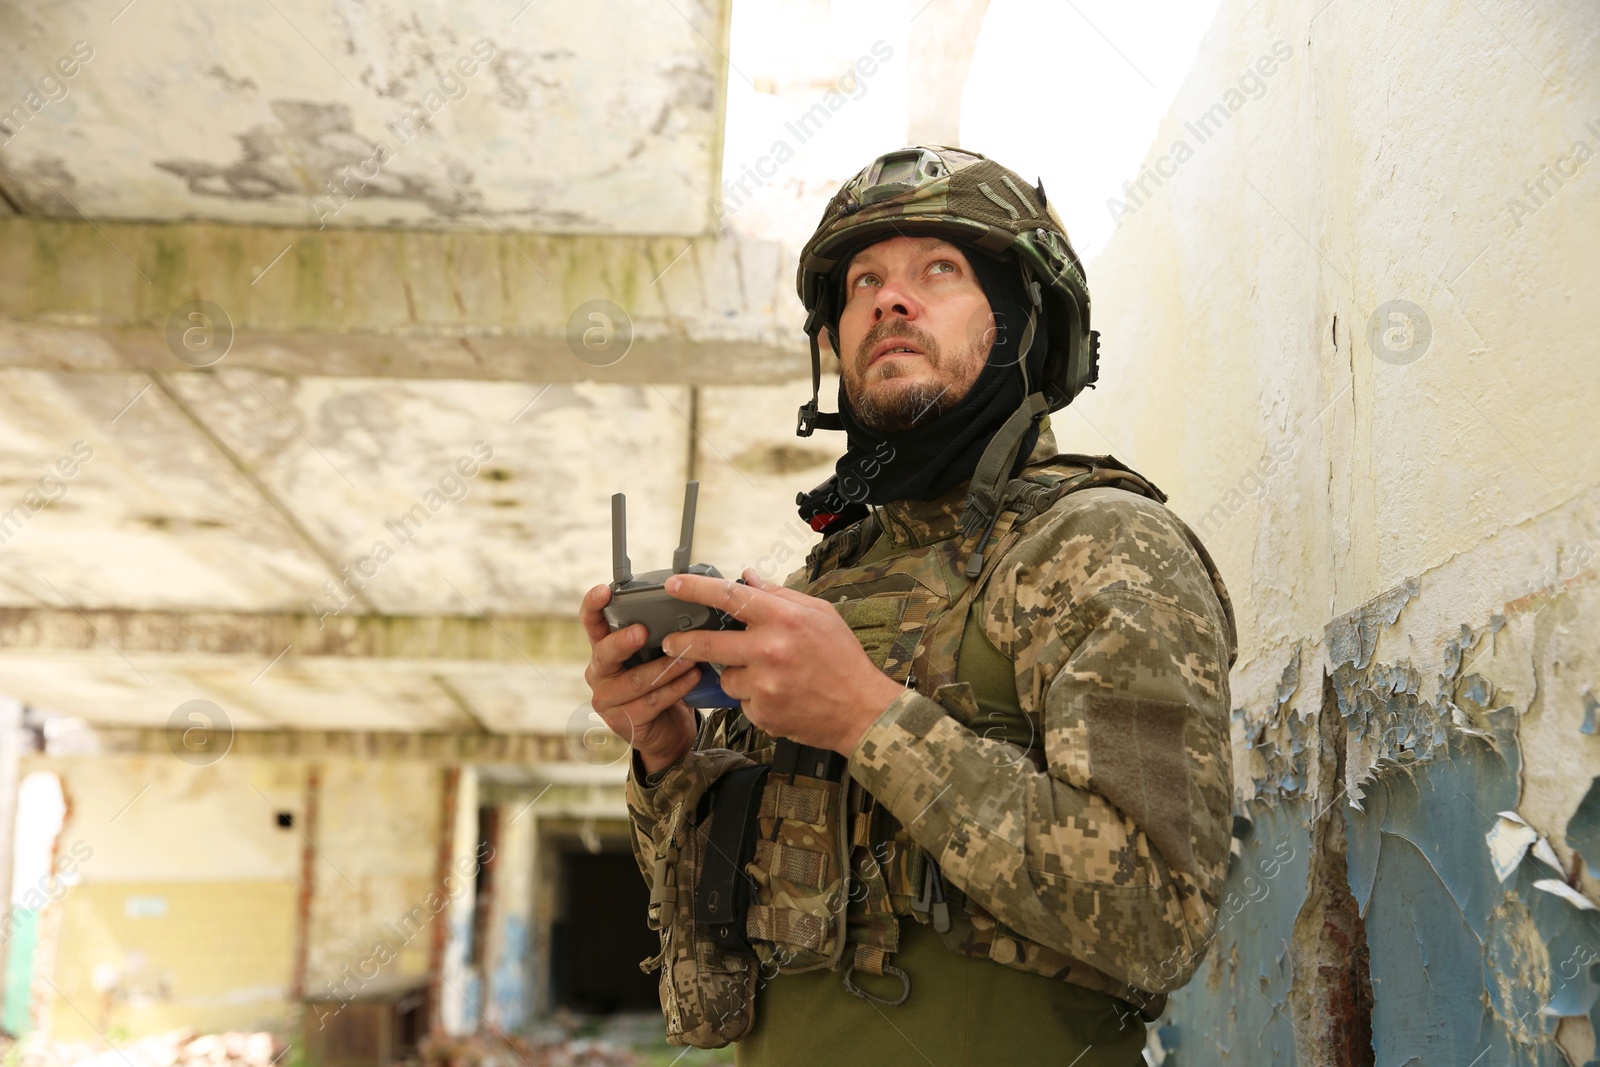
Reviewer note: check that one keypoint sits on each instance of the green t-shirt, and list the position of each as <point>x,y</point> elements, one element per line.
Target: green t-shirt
<point>962,1012</point>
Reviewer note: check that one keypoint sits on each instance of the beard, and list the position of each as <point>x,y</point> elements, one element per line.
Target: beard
<point>895,408</point>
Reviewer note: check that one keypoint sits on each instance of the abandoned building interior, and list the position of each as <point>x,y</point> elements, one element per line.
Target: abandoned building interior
<point>327,333</point>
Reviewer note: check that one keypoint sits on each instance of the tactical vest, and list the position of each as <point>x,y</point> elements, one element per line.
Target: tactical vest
<point>832,867</point>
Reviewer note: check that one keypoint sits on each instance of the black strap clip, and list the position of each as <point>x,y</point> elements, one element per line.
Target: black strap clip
<point>791,758</point>
<point>722,896</point>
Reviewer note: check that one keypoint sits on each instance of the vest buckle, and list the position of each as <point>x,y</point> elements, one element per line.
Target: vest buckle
<point>856,991</point>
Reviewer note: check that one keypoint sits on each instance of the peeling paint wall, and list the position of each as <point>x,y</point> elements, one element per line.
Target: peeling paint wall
<point>182,901</point>
<point>508,968</point>
<point>1348,323</point>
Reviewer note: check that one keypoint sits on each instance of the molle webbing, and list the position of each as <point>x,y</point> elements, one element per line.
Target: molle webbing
<point>794,800</point>
<point>786,926</point>
<point>870,959</point>
<point>795,864</point>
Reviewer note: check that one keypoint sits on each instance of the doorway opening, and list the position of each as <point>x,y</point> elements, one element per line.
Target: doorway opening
<point>599,934</point>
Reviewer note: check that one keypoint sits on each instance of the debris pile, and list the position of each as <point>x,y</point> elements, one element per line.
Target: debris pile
<point>176,1048</point>
<point>508,1051</point>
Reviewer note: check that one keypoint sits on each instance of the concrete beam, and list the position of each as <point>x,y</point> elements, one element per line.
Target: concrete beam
<point>441,637</point>
<point>104,297</point>
<point>385,745</point>
<point>117,669</point>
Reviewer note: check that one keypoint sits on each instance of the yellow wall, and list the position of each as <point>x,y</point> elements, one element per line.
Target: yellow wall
<point>378,829</point>
<point>220,958</point>
<point>203,845</point>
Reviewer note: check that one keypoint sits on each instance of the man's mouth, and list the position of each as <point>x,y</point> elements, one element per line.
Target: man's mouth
<point>893,346</point>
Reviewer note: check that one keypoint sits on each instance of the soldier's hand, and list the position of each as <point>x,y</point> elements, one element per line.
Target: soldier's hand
<point>797,669</point>
<point>643,705</point>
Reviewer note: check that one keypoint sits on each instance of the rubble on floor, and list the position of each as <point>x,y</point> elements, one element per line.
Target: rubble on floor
<point>479,1050</point>
<point>563,1041</point>
<point>176,1048</point>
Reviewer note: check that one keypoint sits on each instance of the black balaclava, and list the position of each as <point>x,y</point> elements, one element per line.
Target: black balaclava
<point>929,460</point>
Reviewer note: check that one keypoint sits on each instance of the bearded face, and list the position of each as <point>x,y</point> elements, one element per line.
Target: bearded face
<point>914,332</point>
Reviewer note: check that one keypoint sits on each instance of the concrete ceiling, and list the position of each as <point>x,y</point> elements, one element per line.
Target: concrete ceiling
<point>306,552</point>
<point>360,494</point>
<point>604,117</point>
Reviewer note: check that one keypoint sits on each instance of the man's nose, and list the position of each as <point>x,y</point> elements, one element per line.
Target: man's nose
<point>894,300</point>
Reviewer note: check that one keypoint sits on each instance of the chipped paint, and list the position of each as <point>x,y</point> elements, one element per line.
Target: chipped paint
<point>1583,829</point>
<point>1235,1011</point>
<point>1509,839</point>
<point>1416,583</point>
<point>1475,952</point>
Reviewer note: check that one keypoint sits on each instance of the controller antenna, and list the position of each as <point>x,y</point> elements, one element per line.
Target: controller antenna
<point>680,558</point>
<point>621,567</point>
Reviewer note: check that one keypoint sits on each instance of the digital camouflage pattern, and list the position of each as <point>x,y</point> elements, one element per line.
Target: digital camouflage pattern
<point>1087,839</point>
<point>707,995</point>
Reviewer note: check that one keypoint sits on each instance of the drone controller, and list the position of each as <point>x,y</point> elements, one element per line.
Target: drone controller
<point>644,599</point>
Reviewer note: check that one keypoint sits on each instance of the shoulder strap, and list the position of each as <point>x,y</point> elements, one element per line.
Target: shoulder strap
<point>1022,499</point>
<point>1083,472</point>
<point>1043,484</point>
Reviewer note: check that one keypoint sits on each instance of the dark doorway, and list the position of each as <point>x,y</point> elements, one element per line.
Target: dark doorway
<point>601,936</point>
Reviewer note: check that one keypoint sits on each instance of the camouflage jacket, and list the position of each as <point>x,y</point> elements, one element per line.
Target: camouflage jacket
<point>1093,848</point>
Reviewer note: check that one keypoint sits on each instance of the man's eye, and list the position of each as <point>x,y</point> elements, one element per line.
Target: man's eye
<point>934,267</point>
<point>864,279</point>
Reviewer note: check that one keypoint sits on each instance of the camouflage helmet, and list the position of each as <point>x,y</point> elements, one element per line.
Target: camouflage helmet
<point>930,190</point>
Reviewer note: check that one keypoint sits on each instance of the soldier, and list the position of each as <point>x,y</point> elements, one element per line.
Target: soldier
<point>974,804</point>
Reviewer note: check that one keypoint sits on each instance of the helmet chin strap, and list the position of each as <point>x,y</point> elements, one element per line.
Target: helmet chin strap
<point>811,417</point>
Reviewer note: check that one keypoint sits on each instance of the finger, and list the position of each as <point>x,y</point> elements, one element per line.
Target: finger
<point>729,647</point>
<point>617,689</point>
<point>742,602</point>
<point>731,679</point>
<point>776,589</point>
<point>609,652</point>
<point>643,710</point>
<point>594,623</point>
<point>658,672</point>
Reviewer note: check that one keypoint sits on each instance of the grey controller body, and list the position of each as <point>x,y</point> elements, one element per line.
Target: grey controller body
<point>645,599</point>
